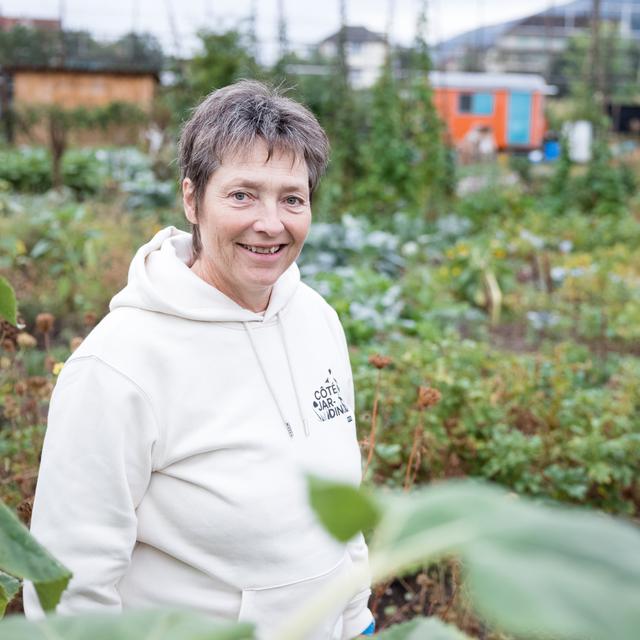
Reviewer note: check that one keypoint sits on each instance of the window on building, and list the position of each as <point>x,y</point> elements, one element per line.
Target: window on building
<point>479,104</point>
<point>465,103</point>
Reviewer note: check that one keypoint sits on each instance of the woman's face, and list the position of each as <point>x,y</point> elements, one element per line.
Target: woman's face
<point>254,218</point>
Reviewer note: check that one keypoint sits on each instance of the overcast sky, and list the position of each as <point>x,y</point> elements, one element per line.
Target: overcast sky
<point>308,21</point>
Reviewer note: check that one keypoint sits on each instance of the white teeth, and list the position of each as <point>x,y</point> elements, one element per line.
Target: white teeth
<point>262,249</point>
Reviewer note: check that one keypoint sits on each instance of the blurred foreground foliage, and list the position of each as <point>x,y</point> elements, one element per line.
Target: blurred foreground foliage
<point>512,551</point>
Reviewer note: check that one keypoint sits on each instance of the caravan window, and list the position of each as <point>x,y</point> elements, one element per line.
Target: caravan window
<point>479,104</point>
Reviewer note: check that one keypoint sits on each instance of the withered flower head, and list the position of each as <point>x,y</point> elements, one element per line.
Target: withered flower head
<point>35,383</point>
<point>39,386</point>
<point>8,345</point>
<point>20,388</point>
<point>90,319</point>
<point>11,408</point>
<point>428,397</point>
<point>75,342</point>
<point>26,340</point>
<point>44,322</point>
<point>378,361</point>
<point>24,509</point>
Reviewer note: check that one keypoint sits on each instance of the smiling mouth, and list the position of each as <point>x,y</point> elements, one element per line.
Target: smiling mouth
<point>264,250</point>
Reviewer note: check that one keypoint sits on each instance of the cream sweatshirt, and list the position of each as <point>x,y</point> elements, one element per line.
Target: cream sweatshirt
<point>178,441</point>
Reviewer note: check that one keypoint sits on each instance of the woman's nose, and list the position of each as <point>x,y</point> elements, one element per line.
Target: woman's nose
<point>268,220</point>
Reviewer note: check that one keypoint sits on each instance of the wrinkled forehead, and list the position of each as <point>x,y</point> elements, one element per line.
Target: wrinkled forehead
<point>260,151</point>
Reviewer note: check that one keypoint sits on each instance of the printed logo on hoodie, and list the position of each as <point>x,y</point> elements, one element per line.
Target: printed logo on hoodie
<point>328,402</point>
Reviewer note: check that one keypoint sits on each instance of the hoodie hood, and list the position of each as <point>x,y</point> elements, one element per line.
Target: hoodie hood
<point>160,280</point>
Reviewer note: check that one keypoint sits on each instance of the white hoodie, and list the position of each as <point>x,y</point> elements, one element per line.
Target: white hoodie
<point>179,436</point>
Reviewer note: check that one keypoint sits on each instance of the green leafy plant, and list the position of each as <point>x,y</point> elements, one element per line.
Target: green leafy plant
<point>22,558</point>
<point>422,629</point>
<point>7,301</point>
<point>532,570</point>
<point>136,625</point>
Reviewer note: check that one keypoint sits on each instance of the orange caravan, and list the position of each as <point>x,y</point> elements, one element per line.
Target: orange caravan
<point>506,108</point>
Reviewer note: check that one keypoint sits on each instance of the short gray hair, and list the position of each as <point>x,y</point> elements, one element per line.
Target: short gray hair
<point>233,118</point>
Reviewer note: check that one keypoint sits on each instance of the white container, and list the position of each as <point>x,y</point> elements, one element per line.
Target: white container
<point>579,135</point>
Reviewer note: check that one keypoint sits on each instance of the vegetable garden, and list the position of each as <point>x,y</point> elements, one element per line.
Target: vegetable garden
<point>493,317</point>
<point>498,340</point>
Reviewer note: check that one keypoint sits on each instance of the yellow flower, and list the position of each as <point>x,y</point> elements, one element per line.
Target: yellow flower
<point>456,271</point>
<point>499,253</point>
<point>21,248</point>
<point>463,250</point>
<point>57,368</point>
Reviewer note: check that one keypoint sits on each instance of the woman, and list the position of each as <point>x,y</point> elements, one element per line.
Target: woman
<point>181,431</point>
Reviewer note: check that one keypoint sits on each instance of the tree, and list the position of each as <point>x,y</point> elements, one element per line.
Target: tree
<point>619,58</point>
<point>28,47</point>
<point>343,126</point>
<point>432,170</point>
<point>223,58</point>
<point>386,153</point>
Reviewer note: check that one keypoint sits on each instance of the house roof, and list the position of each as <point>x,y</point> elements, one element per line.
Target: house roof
<point>41,24</point>
<point>355,35</point>
<point>487,81</point>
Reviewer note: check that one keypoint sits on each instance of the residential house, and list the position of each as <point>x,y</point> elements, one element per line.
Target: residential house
<point>365,51</point>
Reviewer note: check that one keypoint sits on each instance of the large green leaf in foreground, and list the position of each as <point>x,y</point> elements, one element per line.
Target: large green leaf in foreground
<point>9,587</point>
<point>22,557</point>
<point>422,629</point>
<point>342,509</point>
<point>7,302</point>
<point>532,570</point>
<point>141,625</point>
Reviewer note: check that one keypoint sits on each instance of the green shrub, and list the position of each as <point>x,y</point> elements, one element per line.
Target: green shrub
<point>28,170</point>
<point>544,424</point>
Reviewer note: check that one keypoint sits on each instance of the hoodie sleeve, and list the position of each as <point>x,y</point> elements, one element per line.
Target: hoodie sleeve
<point>356,617</point>
<point>96,465</point>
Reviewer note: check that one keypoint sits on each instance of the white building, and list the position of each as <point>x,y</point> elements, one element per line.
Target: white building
<point>531,45</point>
<point>365,50</point>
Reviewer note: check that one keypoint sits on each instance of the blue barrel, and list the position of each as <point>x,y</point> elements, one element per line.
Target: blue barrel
<point>551,149</point>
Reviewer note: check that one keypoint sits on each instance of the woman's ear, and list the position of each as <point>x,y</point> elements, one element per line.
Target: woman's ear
<point>189,200</point>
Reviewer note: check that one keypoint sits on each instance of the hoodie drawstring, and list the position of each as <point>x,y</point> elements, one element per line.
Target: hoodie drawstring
<point>293,378</point>
<point>267,379</point>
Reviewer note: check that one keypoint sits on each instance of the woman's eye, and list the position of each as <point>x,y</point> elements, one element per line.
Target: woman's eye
<point>293,200</point>
<point>240,196</point>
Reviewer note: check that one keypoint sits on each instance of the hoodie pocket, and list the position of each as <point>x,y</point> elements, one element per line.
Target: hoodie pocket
<point>270,607</point>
